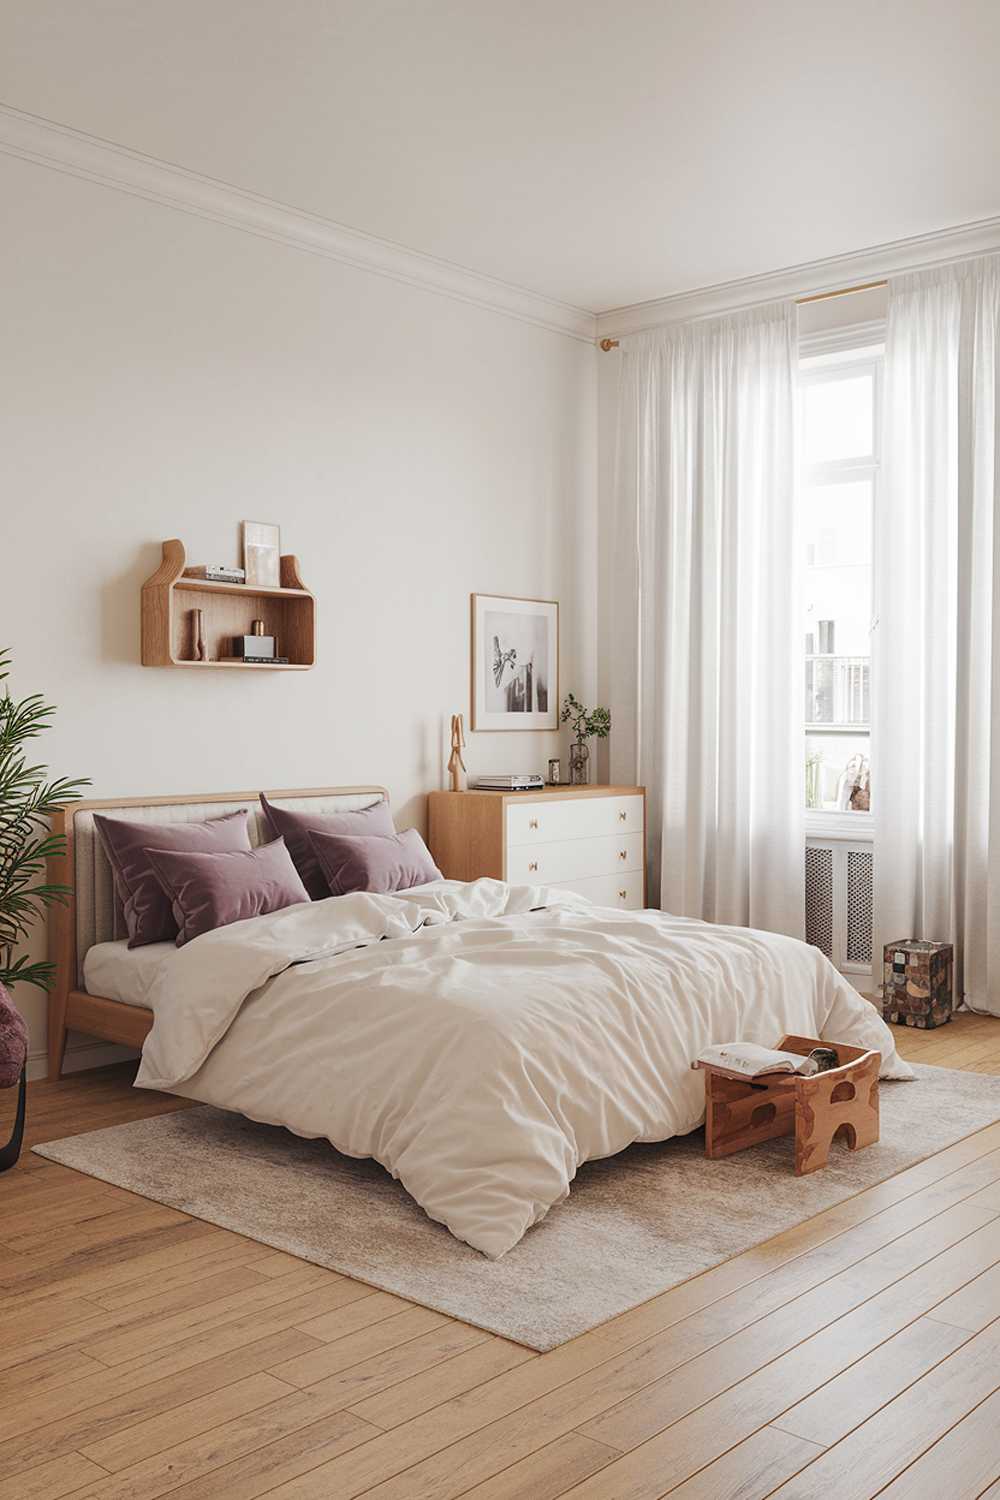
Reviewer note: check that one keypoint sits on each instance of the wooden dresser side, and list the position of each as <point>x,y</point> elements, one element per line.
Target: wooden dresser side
<point>465,831</point>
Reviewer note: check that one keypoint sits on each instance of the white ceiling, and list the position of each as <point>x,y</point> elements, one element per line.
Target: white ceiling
<point>603,152</point>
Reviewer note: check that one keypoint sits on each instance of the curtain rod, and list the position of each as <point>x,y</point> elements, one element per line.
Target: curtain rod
<point>844,291</point>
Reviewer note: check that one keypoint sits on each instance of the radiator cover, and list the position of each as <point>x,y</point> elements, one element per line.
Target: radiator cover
<point>839,887</point>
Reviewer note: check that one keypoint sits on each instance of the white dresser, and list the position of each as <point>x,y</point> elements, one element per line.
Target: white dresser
<point>587,839</point>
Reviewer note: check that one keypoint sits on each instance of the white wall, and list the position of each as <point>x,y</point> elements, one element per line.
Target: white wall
<point>162,376</point>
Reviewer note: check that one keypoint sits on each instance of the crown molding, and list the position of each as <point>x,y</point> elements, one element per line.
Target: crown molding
<point>81,155</point>
<point>64,149</point>
<point>921,252</point>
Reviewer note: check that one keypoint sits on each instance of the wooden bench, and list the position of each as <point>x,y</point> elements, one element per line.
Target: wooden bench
<point>742,1112</point>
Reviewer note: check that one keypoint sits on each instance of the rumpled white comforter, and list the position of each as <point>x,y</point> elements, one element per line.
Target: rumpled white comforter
<point>481,1040</point>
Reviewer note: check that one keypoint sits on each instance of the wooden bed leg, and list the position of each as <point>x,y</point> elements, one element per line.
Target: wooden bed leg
<point>57,1051</point>
<point>62,943</point>
<point>57,1034</point>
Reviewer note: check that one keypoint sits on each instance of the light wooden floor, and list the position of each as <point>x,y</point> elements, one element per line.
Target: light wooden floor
<point>143,1353</point>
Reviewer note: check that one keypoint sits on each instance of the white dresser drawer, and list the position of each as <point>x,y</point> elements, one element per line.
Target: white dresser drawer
<point>572,818</point>
<point>625,891</point>
<point>573,859</point>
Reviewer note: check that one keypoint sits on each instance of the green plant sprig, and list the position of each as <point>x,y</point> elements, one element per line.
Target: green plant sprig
<point>593,724</point>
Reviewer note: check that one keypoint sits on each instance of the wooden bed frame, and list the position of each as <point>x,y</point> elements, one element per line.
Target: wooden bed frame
<point>72,1009</point>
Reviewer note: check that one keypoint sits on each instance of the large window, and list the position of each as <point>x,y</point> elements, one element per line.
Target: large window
<point>838,484</point>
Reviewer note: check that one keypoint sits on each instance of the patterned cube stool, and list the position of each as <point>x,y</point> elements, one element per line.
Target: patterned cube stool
<point>916,983</point>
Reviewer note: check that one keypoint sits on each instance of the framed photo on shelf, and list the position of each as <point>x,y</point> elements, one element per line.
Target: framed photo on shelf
<point>262,554</point>
<point>515,663</point>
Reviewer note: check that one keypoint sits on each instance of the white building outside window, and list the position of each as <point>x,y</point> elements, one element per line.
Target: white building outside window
<point>838,484</point>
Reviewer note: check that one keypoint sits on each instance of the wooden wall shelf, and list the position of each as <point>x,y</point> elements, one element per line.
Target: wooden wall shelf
<point>288,612</point>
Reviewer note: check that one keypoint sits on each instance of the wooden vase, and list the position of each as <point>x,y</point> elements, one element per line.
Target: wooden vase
<point>197,635</point>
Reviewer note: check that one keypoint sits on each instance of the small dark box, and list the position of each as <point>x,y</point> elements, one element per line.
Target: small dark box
<point>917,983</point>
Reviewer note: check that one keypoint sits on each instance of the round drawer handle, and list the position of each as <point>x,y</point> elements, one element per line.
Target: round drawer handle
<point>533,865</point>
<point>623,817</point>
<point>622,895</point>
<point>623,854</point>
<point>532,822</point>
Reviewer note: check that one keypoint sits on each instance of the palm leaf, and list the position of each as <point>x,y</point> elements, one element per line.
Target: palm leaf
<point>22,971</point>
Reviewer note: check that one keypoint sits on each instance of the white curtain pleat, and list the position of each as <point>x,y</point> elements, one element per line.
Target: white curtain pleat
<point>936,668</point>
<point>707,549</point>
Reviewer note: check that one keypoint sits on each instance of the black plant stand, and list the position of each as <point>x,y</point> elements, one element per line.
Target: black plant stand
<point>10,1153</point>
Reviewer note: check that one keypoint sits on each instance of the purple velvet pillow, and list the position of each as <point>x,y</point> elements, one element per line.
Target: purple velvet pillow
<point>211,890</point>
<point>295,828</point>
<point>393,862</point>
<point>147,910</point>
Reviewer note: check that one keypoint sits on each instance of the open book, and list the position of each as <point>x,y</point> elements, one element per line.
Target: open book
<point>750,1060</point>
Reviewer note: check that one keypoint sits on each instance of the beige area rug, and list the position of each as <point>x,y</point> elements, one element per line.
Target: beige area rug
<point>633,1225</point>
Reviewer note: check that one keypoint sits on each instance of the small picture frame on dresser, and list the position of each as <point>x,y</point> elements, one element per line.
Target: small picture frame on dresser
<point>515,663</point>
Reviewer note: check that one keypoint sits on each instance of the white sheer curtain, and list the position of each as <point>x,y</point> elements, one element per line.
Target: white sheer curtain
<point>936,669</point>
<point>707,556</point>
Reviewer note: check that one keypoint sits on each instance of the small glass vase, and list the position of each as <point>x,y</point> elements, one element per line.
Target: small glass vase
<point>579,763</point>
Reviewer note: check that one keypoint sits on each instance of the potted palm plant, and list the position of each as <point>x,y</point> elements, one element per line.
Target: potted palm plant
<point>27,798</point>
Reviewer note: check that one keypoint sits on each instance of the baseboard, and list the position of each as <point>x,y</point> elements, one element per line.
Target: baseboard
<point>80,1057</point>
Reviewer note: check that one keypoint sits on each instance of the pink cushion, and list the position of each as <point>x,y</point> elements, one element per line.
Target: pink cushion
<point>148,917</point>
<point>382,865</point>
<point>295,827</point>
<point>207,891</point>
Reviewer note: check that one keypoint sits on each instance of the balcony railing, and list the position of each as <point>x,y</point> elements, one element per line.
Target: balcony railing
<point>838,691</point>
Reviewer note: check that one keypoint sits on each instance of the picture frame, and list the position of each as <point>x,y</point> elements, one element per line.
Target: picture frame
<point>515,663</point>
<point>262,554</point>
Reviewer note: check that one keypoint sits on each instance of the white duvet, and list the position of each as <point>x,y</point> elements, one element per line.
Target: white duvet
<point>481,1040</point>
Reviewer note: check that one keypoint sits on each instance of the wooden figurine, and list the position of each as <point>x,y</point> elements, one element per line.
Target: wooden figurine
<point>197,635</point>
<point>456,765</point>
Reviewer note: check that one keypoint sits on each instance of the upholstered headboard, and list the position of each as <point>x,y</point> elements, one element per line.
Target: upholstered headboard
<point>95,913</point>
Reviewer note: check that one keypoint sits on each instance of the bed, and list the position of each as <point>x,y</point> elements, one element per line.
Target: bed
<point>93,915</point>
<point>479,1040</point>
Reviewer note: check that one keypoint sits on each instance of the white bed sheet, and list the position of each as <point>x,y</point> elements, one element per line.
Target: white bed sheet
<point>114,971</point>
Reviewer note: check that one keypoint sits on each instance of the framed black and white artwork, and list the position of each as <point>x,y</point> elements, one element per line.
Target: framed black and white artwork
<point>515,663</point>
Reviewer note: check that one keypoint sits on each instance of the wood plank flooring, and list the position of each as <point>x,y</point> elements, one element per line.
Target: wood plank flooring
<point>147,1354</point>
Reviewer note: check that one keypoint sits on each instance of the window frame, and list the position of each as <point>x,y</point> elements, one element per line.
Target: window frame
<point>840,354</point>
